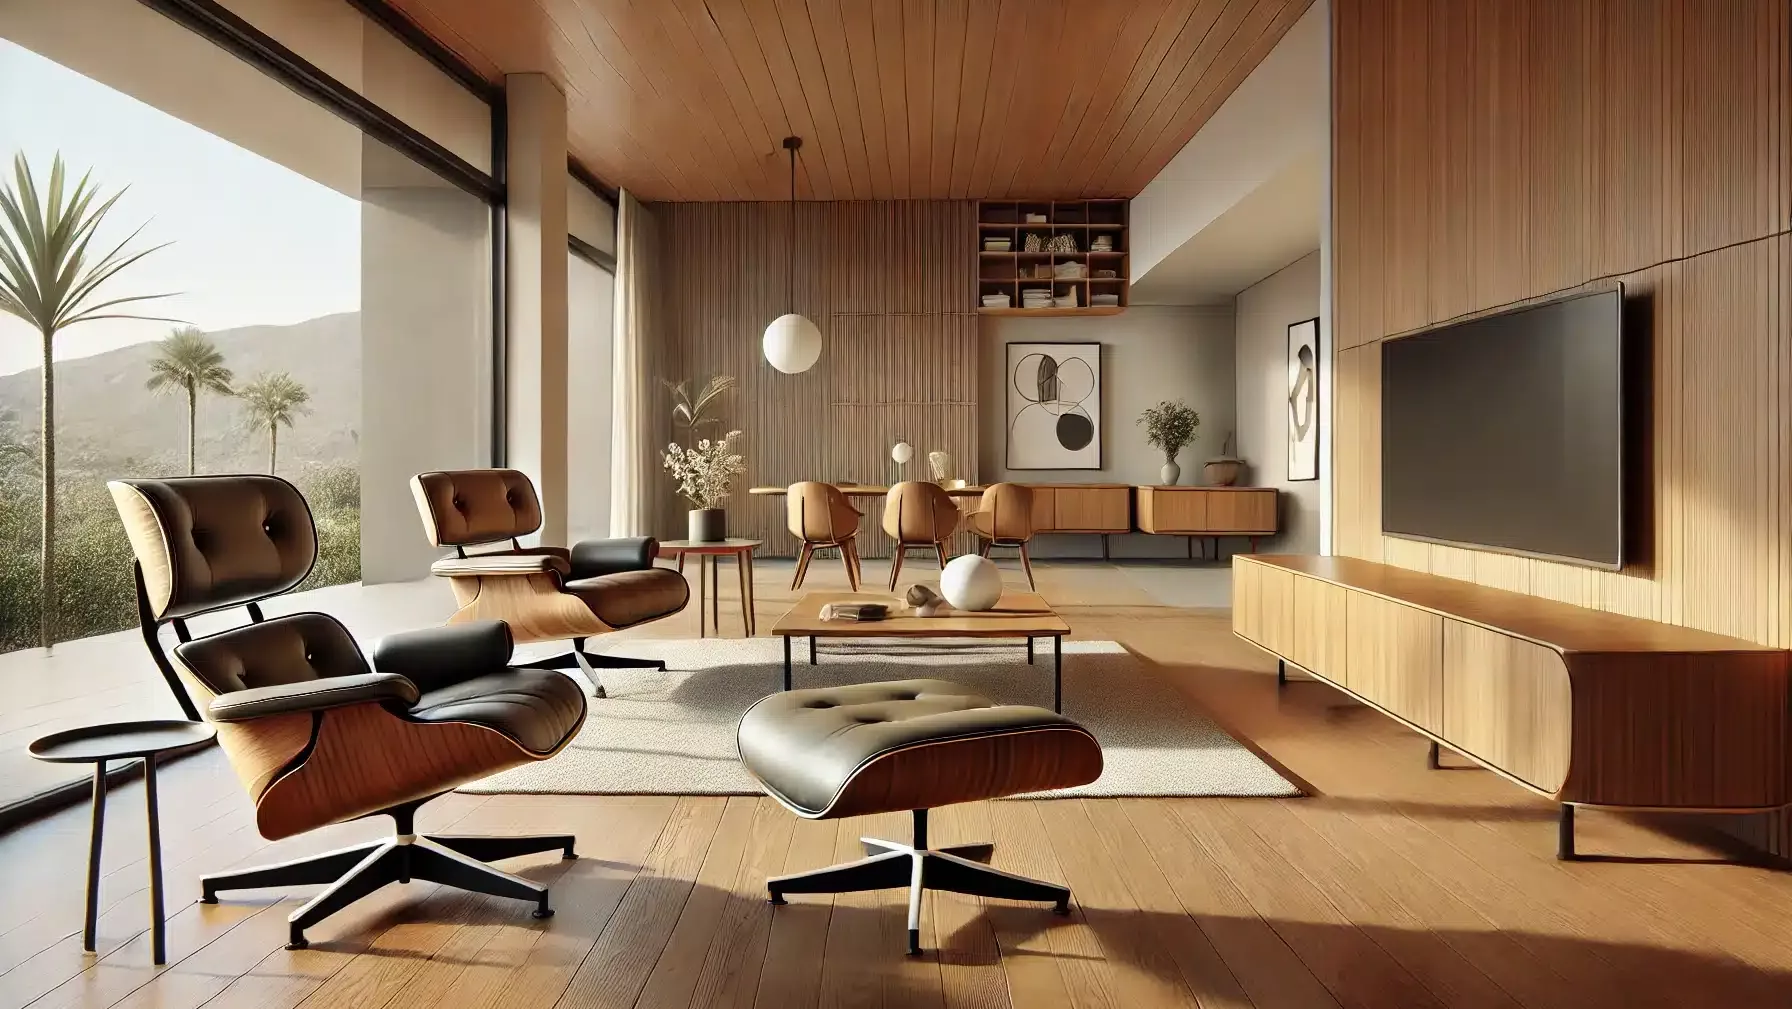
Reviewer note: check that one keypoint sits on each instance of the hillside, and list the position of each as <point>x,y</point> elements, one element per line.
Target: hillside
<point>107,422</point>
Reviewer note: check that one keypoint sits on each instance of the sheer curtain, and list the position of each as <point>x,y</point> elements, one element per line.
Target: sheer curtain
<point>631,456</point>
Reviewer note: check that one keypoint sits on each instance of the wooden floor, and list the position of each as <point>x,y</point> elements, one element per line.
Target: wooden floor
<point>1392,886</point>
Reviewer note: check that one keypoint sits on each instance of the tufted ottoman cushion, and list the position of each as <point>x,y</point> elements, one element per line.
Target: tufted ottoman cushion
<point>907,745</point>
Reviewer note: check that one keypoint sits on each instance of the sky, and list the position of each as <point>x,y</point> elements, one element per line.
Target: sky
<point>253,243</point>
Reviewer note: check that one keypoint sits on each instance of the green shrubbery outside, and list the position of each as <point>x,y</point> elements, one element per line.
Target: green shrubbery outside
<point>95,594</point>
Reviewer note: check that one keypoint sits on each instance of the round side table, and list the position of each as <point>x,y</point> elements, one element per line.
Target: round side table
<point>709,578</point>
<point>96,745</point>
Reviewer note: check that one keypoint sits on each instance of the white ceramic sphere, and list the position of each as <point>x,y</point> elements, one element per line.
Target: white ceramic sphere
<point>902,452</point>
<point>792,344</point>
<point>971,583</point>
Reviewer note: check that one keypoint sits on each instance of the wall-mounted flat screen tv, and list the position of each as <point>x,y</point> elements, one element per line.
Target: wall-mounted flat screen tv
<point>1507,432</point>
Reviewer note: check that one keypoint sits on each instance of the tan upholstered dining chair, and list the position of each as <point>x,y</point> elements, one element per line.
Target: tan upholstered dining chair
<point>820,516</point>
<point>1004,518</point>
<point>315,732</point>
<point>545,593</point>
<point>918,514</point>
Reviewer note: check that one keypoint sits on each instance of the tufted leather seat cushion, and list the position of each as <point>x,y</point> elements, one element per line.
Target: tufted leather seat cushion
<point>627,598</point>
<point>465,507</point>
<point>536,707</point>
<point>907,744</point>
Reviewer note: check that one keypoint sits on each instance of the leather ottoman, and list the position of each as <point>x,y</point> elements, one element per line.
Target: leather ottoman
<point>910,745</point>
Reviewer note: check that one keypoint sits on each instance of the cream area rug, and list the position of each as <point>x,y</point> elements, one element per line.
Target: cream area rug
<point>672,732</point>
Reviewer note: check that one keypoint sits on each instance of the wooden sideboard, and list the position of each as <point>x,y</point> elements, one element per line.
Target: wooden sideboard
<point>1585,707</point>
<point>1208,511</point>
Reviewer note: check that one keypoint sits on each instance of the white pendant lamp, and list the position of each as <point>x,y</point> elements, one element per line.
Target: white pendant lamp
<point>792,342</point>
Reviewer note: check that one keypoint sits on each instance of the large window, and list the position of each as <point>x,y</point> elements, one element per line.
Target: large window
<point>329,319</point>
<point>590,402</point>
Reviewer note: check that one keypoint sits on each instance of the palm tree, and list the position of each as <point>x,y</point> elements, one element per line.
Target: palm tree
<point>188,362</point>
<point>48,279</point>
<point>272,402</point>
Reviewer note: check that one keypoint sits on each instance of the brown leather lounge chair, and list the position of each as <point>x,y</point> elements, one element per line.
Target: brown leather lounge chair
<point>315,734</point>
<point>543,593</point>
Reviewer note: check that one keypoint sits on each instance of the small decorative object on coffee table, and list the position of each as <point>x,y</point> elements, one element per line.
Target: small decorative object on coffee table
<point>1018,615</point>
<point>1169,428</point>
<point>121,741</point>
<point>709,578</point>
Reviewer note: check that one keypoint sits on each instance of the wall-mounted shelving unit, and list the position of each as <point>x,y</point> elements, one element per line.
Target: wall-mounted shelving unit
<point>1014,271</point>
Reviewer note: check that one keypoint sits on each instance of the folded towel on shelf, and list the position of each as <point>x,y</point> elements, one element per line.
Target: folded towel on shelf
<point>1067,271</point>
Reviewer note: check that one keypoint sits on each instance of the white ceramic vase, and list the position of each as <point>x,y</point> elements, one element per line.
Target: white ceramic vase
<point>1170,474</point>
<point>971,583</point>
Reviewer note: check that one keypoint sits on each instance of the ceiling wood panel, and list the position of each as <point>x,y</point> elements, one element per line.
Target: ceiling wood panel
<point>689,100</point>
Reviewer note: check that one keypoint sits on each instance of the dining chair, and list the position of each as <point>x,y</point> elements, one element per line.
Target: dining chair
<point>1004,518</point>
<point>820,516</point>
<point>918,514</point>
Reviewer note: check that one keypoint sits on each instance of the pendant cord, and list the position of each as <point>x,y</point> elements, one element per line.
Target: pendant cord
<point>791,262</point>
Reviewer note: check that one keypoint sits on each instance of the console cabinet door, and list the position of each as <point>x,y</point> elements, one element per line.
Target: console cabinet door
<point>1507,701</point>
<point>1394,658</point>
<point>1045,509</point>
<point>1243,511</point>
<point>1275,608</point>
<point>1093,509</point>
<point>1247,600</point>
<point>1318,627</point>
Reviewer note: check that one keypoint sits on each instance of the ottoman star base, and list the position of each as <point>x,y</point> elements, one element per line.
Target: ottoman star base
<point>955,868</point>
<point>910,746</point>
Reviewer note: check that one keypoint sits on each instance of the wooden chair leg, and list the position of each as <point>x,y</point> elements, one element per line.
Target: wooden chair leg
<point>983,548</point>
<point>895,566</point>
<point>847,552</point>
<point>940,549</point>
<point>1027,563</point>
<point>802,565</point>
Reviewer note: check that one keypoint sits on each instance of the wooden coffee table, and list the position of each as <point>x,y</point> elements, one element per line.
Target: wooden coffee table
<point>1017,615</point>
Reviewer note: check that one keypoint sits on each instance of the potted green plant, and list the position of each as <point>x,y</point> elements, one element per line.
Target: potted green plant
<point>705,473</point>
<point>1170,427</point>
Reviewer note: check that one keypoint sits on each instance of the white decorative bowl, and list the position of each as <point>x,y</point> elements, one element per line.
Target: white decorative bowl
<point>971,583</point>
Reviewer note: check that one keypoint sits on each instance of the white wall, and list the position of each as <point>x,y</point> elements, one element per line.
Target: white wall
<point>589,217</point>
<point>590,397</point>
<point>425,356</point>
<point>1264,312</point>
<point>1149,353</point>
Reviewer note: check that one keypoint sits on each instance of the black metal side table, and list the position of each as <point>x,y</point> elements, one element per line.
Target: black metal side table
<point>96,745</point>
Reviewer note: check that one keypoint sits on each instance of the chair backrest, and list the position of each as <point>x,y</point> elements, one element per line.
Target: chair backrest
<point>818,513</point>
<point>1009,511</point>
<point>919,512</point>
<point>209,542</point>
<point>465,507</point>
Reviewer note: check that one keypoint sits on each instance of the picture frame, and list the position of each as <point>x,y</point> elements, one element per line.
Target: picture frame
<point>1305,364</point>
<point>1053,406</point>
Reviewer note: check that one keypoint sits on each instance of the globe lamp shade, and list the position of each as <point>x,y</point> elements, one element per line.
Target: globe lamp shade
<point>902,452</point>
<point>792,344</point>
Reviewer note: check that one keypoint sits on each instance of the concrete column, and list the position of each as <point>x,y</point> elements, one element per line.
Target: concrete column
<point>535,338</point>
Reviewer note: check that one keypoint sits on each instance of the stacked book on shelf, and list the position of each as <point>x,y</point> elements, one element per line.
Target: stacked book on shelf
<point>1102,243</point>
<point>997,243</point>
<point>997,301</point>
<point>1036,297</point>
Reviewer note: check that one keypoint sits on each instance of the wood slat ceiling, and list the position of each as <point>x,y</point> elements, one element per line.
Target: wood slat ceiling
<point>894,99</point>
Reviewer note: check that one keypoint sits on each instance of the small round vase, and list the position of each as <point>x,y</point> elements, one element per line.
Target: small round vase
<point>1170,474</point>
<point>971,583</point>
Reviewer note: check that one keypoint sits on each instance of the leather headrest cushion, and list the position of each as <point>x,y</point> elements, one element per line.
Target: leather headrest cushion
<point>207,542</point>
<point>464,507</point>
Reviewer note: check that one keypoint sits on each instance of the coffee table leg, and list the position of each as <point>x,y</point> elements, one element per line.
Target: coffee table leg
<point>812,649</point>
<point>786,662</point>
<point>1029,651</point>
<point>158,937</point>
<point>93,857</point>
<point>1058,673</point>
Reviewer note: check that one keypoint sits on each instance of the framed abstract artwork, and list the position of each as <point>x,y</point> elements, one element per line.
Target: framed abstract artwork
<point>1303,400</point>
<point>1054,405</point>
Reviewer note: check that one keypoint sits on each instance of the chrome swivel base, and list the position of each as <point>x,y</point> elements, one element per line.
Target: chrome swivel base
<point>455,860</point>
<point>583,665</point>
<point>956,868</point>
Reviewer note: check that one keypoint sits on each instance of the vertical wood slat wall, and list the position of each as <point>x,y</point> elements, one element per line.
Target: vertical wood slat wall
<point>891,285</point>
<point>1491,152</point>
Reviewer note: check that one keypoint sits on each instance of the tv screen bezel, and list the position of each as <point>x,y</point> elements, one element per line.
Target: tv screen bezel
<point>1615,289</point>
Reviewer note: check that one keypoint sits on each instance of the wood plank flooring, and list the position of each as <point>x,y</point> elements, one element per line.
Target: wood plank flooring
<point>1391,886</point>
